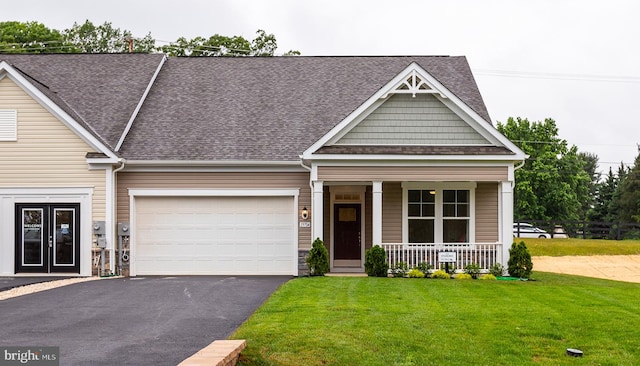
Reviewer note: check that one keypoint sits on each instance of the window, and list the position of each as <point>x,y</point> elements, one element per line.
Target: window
<point>455,212</point>
<point>438,212</point>
<point>8,125</point>
<point>422,212</point>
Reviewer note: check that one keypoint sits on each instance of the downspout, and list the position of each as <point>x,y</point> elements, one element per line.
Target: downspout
<point>122,162</point>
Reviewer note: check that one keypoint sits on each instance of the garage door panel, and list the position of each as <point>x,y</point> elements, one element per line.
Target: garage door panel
<point>215,235</point>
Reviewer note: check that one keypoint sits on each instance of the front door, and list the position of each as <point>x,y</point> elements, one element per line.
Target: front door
<point>47,238</point>
<point>346,228</point>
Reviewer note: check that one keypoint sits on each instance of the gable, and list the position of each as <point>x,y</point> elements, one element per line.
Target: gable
<point>412,120</point>
<point>412,112</point>
<point>39,133</point>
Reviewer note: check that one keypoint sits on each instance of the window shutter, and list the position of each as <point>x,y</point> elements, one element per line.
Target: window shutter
<point>8,125</point>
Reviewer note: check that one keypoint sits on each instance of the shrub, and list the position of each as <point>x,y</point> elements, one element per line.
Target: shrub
<point>452,268</point>
<point>318,258</point>
<point>424,267</point>
<point>488,277</point>
<point>472,270</point>
<point>463,276</point>
<point>375,262</point>
<point>520,264</point>
<point>440,274</point>
<point>400,269</point>
<point>497,270</point>
<point>415,273</point>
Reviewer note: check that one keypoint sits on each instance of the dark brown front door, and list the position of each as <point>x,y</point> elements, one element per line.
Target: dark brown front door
<point>47,238</point>
<point>346,229</point>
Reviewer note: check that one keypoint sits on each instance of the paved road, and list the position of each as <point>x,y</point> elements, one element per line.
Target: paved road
<point>133,321</point>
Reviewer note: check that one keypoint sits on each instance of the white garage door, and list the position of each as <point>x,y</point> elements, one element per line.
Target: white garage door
<point>214,235</point>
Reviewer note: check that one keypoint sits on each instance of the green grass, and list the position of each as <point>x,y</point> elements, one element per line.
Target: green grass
<point>390,321</point>
<point>563,247</point>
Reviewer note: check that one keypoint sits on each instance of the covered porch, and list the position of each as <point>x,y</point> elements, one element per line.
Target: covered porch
<point>412,220</point>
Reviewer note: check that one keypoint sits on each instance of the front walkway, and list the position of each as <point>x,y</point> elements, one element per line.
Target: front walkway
<point>624,268</point>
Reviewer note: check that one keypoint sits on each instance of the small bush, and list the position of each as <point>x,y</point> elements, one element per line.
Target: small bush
<point>440,274</point>
<point>318,258</point>
<point>488,277</point>
<point>497,270</point>
<point>400,269</point>
<point>520,264</point>
<point>472,270</point>
<point>452,268</point>
<point>424,267</point>
<point>415,273</point>
<point>463,276</point>
<point>375,262</point>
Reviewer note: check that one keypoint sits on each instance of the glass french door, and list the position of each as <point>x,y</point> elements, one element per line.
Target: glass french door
<point>47,238</point>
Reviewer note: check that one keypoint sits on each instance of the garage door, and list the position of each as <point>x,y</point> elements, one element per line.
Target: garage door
<point>214,235</point>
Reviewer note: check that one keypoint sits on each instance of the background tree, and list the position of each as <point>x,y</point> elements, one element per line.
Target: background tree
<point>29,37</point>
<point>89,38</point>
<point>553,184</point>
<point>218,45</point>
<point>627,198</point>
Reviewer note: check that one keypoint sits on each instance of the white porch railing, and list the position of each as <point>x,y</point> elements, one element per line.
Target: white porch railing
<point>483,254</point>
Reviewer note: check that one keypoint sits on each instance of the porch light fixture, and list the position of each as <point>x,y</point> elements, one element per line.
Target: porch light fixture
<point>433,193</point>
<point>305,213</point>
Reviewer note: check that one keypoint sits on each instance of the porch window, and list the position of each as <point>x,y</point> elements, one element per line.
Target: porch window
<point>422,213</point>
<point>438,212</point>
<point>455,212</point>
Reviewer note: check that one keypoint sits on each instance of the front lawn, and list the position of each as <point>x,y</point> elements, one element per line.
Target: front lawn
<point>563,247</point>
<point>393,321</point>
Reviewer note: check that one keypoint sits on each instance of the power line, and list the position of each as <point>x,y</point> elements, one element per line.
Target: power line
<point>558,76</point>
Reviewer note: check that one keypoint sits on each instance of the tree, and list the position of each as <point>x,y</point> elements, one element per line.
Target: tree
<point>217,45</point>
<point>553,183</point>
<point>591,168</point>
<point>89,38</point>
<point>29,37</point>
<point>627,198</point>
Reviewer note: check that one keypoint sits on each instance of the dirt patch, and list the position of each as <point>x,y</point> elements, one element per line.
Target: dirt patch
<point>611,267</point>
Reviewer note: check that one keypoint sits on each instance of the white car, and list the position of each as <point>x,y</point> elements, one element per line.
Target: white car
<point>524,230</point>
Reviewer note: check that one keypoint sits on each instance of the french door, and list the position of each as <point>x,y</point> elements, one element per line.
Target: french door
<point>47,238</point>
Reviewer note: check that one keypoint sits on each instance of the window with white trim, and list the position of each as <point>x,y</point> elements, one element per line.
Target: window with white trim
<point>438,212</point>
<point>455,216</point>
<point>8,125</point>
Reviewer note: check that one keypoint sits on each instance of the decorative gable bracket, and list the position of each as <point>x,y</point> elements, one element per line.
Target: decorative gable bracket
<point>413,84</point>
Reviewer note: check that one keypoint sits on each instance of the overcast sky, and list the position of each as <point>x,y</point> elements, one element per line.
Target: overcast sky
<point>577,62</point>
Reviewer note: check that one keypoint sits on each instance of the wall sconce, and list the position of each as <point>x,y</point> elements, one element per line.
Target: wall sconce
<point>305,213</point>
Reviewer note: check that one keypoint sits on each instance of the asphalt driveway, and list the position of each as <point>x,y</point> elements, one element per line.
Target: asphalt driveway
<point>133,321</point>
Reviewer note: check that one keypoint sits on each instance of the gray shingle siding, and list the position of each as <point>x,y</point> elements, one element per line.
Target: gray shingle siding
<point>407,120</point>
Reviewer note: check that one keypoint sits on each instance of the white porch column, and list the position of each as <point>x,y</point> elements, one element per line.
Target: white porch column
<point>506,221</point>
<point>376,213</point>
<point>317,210</point>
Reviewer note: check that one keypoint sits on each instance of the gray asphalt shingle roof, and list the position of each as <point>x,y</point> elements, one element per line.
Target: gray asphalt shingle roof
<point>224,108</point>
<point>99,91</point>
<point>270,108</point>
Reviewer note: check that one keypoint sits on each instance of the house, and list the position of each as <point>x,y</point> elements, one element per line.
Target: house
<point>234,165</point>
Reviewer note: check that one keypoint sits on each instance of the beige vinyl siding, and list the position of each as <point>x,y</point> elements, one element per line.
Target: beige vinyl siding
<point>368,217</point>
<point>413,173</point>
<point>46,153</point>
<point>487,212</point>
<point>407,120</point>
<point>391,212</point>
<point>326,216</point>
<point>140,180</point>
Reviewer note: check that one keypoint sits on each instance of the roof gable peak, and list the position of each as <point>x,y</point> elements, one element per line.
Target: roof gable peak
<point>414,83</point>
